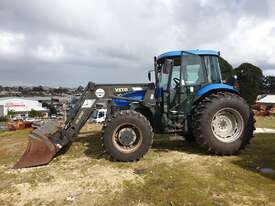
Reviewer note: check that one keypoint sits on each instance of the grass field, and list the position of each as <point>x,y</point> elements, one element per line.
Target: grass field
<point>172,173</point>
<point>265,122</point>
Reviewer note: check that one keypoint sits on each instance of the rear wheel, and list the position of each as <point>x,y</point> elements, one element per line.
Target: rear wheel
<point>224,123</point>
<point>127,136</point>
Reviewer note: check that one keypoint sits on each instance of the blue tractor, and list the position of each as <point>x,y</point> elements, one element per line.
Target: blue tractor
<point>188,97</point>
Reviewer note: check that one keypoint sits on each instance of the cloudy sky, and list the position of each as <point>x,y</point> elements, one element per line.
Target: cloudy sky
<point>69,42</point>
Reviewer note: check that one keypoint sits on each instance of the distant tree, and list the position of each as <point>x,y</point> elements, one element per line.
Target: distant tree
<point>1,88</point>
<point>60,90</point>
<point>11,113</point>
<point>52,109</point>
<point>226,70</point>
<point>45,104</point>
<point>3,119</point>
<point>34,113</point>
<point>26,91</point>
<point>38,89</point>
<point>250,79</point>
<point>269,85</point>
<point>20,89</point>
<point>9,89</point>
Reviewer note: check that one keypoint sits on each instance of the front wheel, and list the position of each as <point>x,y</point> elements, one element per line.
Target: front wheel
<point>128,136</point>
<point>224,123</point>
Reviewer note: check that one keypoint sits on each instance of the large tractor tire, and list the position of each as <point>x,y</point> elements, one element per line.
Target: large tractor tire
<point>128,136</point>
<point>223,123</point>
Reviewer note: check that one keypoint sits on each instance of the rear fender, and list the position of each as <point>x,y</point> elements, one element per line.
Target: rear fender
<point>213,88</point>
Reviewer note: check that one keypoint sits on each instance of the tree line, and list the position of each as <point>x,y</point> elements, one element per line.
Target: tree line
<point>36,90</point>
<point>250,80</point>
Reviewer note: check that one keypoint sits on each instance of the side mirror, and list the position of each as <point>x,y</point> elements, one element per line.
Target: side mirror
<point>149,76</point>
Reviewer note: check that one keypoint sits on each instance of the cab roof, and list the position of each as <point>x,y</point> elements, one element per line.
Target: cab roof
<point>195,52</point>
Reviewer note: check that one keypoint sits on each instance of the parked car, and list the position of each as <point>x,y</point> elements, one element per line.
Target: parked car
<point>53,116</point>
<point>30,119</point>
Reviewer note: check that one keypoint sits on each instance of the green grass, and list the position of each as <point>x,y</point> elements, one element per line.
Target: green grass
<point>265,122</point>
<point>12,141</point>
<point>208,180</point>
<point>172,173</point>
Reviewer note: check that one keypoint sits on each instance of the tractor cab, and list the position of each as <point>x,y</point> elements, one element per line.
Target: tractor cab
<point>179,76</point>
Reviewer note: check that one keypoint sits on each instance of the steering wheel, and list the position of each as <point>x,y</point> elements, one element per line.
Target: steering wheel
<point>177,81</point>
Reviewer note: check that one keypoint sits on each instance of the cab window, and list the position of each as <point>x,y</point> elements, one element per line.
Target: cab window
<point>213,69</point>
<point>175,75</point>
<point>193,70</point>
<point>166,67</point>
<point>163,79</point>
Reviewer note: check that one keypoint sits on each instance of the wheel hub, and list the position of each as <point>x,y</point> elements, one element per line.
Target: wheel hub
<point>227,125</point>
<point>224,123</point>
<point>127,136</point>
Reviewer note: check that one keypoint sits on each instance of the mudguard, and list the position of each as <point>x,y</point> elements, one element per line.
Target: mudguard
<point>215,87</point>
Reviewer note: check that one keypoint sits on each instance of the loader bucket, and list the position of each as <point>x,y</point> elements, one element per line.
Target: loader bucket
<point>41,148</point>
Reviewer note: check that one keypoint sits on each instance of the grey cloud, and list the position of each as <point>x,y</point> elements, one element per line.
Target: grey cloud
<point>71,42</point>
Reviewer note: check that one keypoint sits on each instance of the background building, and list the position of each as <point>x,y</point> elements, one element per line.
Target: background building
<point>267,100</point>
<point>265,105</point>
<point>21,107</point>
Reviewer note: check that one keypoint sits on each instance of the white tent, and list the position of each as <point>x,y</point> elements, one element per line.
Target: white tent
<point>267,99</point>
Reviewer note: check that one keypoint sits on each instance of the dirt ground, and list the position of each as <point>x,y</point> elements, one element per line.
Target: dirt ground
<point>174,172</point>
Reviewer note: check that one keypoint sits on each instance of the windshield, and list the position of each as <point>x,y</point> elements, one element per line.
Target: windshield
<point>193,70</point>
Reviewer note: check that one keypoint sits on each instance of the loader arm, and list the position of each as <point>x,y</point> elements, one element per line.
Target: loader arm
<point>81,113</point>
<point>87,104</point>
<point>46,141</point>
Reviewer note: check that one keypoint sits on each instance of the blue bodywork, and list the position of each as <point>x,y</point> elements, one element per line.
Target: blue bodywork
<point>138,95</point>
<point>214,87</point>
<point>188,52</point>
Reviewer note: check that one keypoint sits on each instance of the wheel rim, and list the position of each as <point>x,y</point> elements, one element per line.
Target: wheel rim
<point>227,125</point>
<point>127,138</point>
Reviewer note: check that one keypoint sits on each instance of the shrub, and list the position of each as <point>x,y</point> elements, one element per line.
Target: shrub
<point>3,119</point>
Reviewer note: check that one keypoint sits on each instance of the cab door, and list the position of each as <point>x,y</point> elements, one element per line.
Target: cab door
<point>174,87</point>
<point>166,67</point>
<point>194,77</point>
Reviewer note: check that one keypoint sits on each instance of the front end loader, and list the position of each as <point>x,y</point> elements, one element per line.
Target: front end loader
<point>46,141</point>
<point>188,97</point>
